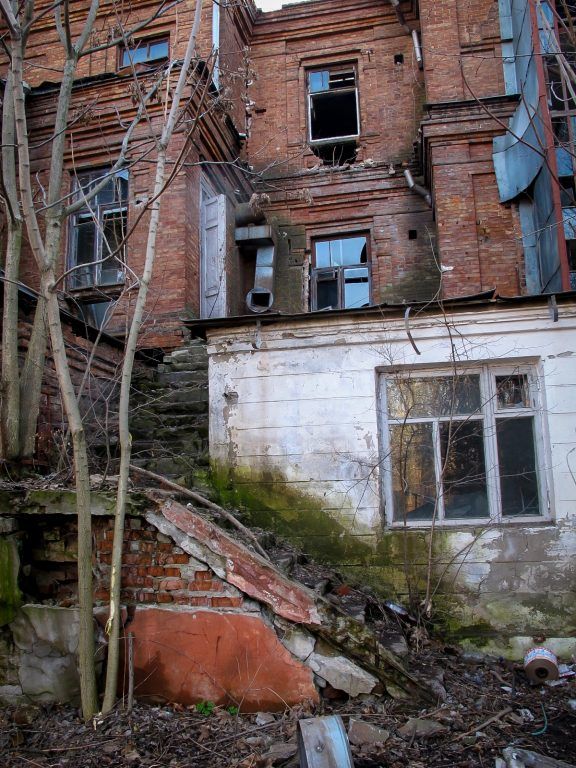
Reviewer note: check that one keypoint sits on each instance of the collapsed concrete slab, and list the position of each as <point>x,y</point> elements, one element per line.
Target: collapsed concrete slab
<point>210,619</point>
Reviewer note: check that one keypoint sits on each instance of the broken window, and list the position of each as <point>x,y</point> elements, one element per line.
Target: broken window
<point>154,49</point>
<point>333,117</point>
<point>461,447</point>
<point>341,273</point>
<point>97,231</point>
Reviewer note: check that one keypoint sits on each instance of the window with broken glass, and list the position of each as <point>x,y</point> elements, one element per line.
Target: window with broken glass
<point>462,447</point>
<point>333,114</point>
<point>96,251</point>
<point>341,273</point>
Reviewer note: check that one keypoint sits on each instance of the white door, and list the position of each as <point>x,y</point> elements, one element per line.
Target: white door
<point>213,255</point>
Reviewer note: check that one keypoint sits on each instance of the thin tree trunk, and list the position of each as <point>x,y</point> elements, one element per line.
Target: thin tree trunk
<point>113,624</point>
<point>31,381</point>
<point>47,254</point>
<point>9,376</point>
<point>86,645</point>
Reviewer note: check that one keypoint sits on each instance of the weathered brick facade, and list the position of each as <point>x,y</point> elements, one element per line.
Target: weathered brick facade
<point>436,117</point>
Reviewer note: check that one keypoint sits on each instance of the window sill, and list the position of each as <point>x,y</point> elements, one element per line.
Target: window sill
<point>457,525</point>
<point>97,293</point>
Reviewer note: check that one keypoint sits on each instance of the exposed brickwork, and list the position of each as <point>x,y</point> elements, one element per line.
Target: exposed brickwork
<point>154,569</point>
<point>432,121</point>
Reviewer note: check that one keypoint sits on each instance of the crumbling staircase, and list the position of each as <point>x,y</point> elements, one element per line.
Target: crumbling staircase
<point>169,418</point>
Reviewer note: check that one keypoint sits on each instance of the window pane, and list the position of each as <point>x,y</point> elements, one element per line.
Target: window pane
<point>356,287</point>
<point>354,250</point>
<point>318,81</point>
<point>322,250</point>
<point>113,231</point>
<point>463,470</point>
<point>433,396</point>
<point>137,55</point>
<point>564,160</point>
<point>97,315</point>
<point>413,476</point>
<point>84,240</point>
<point>516,456</point>
<point>342,80</point>
<point>159,50</point>
<point>512,391</point>
<point>327,294</point>
<point>569,216</point>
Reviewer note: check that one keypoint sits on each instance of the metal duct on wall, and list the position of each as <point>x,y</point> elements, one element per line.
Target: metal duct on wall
<point>260,298</point>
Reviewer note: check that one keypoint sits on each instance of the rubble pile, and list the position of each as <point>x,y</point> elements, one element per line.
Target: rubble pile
<point>486,711</point>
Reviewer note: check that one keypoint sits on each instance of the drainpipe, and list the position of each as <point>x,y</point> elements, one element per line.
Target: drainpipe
<point>412,32</point>
<point>417,48</point>
<point>418,188</point>
<point>396,5</point>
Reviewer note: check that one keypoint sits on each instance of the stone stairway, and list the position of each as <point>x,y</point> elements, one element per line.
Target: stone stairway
<point>169,421</point>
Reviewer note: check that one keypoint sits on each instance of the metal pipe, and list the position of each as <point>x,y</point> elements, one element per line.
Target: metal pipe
<point>402,21</point>
<point>418,188</point>
<point>417,48</point>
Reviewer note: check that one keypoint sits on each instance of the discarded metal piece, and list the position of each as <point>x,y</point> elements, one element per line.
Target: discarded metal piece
<point>541,665</point>
<point>399,610</point>
<point>323,743</point>
<point>524,758</point>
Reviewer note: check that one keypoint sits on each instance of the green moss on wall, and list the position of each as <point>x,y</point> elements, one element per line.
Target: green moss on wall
<point>10,597</point>
<point>267,501</point>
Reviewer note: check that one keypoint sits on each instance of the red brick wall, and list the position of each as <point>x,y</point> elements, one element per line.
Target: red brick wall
<point>99,394</point>
<point>289,41</point>
<point>462,53</point>
<point>154,569</point>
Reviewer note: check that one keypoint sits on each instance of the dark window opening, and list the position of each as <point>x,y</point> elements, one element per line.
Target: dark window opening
<point>341,274</point>
<point>97,231</point>
<point>143,51</point>
<point>399,58</point>
<point>97,314</point>
<point>333,118</point>
<point>412,234</point>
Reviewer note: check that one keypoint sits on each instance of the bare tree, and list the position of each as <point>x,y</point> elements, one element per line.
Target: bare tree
<point>183,108</point>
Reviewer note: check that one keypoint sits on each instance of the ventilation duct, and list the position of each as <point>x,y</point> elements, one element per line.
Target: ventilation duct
<point>260,298</point>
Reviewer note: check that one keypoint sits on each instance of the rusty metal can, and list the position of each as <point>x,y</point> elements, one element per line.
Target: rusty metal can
<point>541,665</point>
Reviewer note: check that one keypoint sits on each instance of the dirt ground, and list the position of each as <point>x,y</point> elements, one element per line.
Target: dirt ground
<point>483,706</point>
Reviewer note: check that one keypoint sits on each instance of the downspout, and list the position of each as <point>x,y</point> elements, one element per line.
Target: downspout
<point>412,32</point>
<point>418,188</point>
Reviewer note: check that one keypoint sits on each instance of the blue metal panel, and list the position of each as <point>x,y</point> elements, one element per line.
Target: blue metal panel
<point>518,155</point>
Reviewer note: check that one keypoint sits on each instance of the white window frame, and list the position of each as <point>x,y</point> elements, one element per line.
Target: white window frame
<point>95,214</point>
<point>333,68</point>
<point>487,370</point>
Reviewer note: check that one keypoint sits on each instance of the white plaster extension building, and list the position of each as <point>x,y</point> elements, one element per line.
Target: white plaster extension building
<point>429,452</point>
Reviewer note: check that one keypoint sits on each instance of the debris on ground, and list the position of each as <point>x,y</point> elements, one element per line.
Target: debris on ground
<point>490,712</point>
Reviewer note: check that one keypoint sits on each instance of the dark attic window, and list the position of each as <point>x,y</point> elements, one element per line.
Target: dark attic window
<point>333,118</point>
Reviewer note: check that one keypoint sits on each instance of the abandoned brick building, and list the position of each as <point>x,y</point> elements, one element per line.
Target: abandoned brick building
<point>373,231</point>
<point>329,111</point>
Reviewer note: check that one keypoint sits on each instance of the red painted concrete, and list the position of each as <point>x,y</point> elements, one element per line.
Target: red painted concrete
<point>229,659</point>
